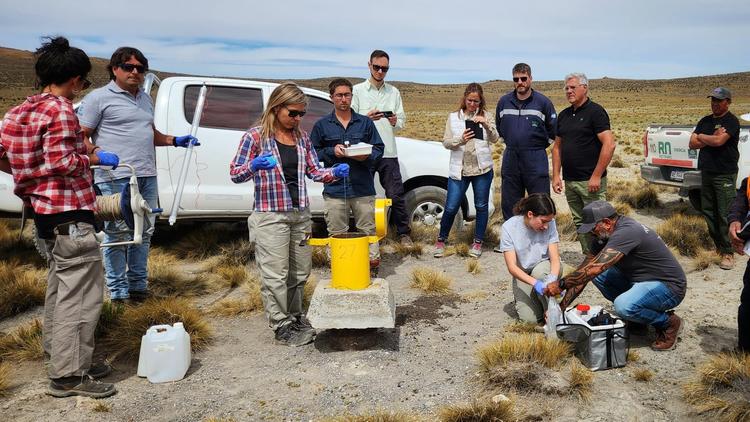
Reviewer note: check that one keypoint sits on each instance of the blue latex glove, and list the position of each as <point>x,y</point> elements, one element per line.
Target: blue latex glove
<point>341,170</point>
<point>183,141</point>
<point>108,159</point>
<point>539,287</point>
<point>263,162</point>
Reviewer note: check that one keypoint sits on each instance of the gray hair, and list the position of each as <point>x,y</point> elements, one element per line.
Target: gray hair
<point>582,79</point>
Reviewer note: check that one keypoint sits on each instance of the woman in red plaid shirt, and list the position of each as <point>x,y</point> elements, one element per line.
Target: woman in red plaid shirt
<point>277,155</point>
<point>41,145</point>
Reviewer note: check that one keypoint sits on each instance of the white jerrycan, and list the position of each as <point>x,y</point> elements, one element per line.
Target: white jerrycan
<point>165,353</point>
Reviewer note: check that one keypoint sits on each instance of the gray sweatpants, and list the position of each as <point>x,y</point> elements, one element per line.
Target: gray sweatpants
<point>75,289</point>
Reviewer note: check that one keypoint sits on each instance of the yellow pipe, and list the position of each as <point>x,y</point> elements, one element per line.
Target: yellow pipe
<point>381,216</point>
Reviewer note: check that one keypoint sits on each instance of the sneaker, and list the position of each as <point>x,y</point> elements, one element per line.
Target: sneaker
<point>303,324</point>
<point>140,296</point>
<point>497,249</point>
<point>374,263</point>
<point>405,240</point>
<point>99,370</point>
<point>85,386</point>
<point>727,261</point>
<point>439,249</point>
<point>666,339</point>
<point>476,249</point>
<point>292,335</point>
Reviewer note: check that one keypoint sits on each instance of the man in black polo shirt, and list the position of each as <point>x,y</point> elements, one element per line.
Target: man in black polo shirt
<point>583,148</point>
<point>716,135</point>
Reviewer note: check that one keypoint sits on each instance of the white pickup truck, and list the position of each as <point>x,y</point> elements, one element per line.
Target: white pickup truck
<point>669,161</point>
<point>231,106</point>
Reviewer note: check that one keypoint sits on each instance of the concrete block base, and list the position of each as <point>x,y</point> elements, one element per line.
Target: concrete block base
<point>373,307</point>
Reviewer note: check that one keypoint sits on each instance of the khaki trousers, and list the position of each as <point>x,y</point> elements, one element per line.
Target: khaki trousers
<point>363,209</point>
<point>75,289</point>
<point>284,259</point>
<point>578,196</point>
<point>529,305</point>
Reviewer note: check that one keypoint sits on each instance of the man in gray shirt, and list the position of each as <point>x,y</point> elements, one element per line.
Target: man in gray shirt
<point>633,268</point>
<point>119,117</point>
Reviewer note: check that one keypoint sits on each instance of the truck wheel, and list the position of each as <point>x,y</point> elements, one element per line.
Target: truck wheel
<point>694,195</point>
<point>425,205</point>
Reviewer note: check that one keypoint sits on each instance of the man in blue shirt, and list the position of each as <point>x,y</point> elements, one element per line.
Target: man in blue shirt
<point>331,136</point>
<point>525,120</point>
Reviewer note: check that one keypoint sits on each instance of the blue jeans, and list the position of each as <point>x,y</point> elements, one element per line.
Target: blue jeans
<point>642,302</point>
<point>456,191</point>
<point>125,267</point>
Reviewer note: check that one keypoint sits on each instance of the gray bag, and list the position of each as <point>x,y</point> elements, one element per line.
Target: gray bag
<point>597,347</point>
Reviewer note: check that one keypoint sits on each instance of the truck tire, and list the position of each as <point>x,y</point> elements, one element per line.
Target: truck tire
<point>694,195</point>
<point>425,205</point>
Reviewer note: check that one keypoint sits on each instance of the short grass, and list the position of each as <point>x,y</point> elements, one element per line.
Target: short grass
<point>521,327</point>
<point>687,233</point>
<point>22,287</point>
<point>5,378</point>
<point>637,193</point>
<point>320,257</point>
<point>430,280</point>
<point>376,416</point>
<point>566,228</point>
<point>101,407</point>
<point>721,388</point>
<point>473,266</point>
<point>704,258</point>
<point>523,348</point>
<point>633,355</point>
<point>249,301</point>
<point>642,374</point>
<point>17,245</point>
<point>480,410</point>
<point>581,380</point>
<point>166,278</point>
<point>24,343</point>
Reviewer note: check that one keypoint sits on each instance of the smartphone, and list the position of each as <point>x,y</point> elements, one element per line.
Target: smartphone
<point>386,113</point>
<point>476,128</point>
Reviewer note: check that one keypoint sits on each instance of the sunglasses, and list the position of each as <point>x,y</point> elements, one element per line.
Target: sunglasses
<point>128,67</point>
<point>520,78</point>
<point>380,68</point>
<point>296,113</point>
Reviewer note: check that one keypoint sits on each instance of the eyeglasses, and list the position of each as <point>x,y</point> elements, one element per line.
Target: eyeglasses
<point>380,68</point>
<point>86,84</point>
<point>296,113</point>
<point>520,78</point>
<point>345,95</point>
<point>473,101</point>
<point>128,67</point>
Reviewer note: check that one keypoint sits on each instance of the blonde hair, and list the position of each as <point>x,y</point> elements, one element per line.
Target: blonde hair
<point>283,95</point>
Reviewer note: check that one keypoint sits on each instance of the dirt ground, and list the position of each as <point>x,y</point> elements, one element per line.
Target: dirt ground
<point>426,362</point>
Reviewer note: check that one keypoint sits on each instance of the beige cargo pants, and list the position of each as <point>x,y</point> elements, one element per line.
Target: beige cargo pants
<point>363,210</point>
<point>75,289</point>
<point>529,305</point>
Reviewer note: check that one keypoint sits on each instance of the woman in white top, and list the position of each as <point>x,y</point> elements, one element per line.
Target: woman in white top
<point>530,246</point>
<point>470,164</point>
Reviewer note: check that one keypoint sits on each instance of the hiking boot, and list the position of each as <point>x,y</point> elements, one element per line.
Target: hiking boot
<point>303,324</point>
<point>292,335</point>
<point>727,261</point>
<point>439,249</point>
<point>476,249</point>
<point>666,339</point>
<point>99,370</point>
<point>140,296</point>
<point>405,240</point>
<point>85,386</point>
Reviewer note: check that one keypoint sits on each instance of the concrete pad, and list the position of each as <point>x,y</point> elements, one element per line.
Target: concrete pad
<point>373,307</point>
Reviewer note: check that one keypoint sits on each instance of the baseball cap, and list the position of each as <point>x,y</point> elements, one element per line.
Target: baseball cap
<point>594,213</point>
<point>720,93</point>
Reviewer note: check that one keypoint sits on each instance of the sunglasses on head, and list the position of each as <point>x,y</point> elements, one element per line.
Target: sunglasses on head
<point>380,68</point>
<point>520,78</point>
<point>296,113</point>
<point>128,67</point>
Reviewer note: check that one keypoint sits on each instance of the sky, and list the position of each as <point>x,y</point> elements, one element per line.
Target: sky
<point>434,41</point>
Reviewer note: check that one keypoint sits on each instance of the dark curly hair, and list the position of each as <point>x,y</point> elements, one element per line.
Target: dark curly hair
<point>57,62</point>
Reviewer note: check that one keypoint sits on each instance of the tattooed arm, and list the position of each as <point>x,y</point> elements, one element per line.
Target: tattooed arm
<point>575,282</point>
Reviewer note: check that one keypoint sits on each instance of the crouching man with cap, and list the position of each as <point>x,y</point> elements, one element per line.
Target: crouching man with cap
<point>630,264</point>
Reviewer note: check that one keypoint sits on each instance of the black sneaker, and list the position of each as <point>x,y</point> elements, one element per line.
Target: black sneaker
<point>99,370</point>
<point>293,335</point>
<point>304,325</point>
<point>84,386</point>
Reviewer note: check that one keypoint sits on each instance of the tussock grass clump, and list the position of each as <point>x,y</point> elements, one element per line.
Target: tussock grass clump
<point>580,380</point>
<point>18,246</point>
<point>125,337</point>
<point>521,327</point>
<point>617,162</point>
<point>376,416</point>
<point>430,280</point>
<point>108,318</point>
<point>424,234</point>
<point>238,252</point>
<point>523,348</point>
<point>21,287</point>
<point>23,344</point>
<point>704,258</point>
<point>480,411</point>
<point>687,233</point>
<point>204,241</point>
<point>643,375</point>
<point>310,285</point>
<point>101,407</point>
<point>565,227</point>
<point>460,249</point>
<point>623,208</point>
<point>633,356</point>
<point>231,275</point>
<point>320,257</point>
<point>416,249</point>
<point>250,301</point>
<point>722,387</point>
<point>638,194</point>
<point>5,378</point>
<point>473,266</point>
<point>166,279</point>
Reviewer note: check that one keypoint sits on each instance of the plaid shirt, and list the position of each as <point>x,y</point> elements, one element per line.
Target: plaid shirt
<point>271,193</point>
<point>44,145</point>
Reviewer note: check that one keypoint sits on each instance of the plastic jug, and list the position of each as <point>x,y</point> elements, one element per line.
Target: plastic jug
<point>165,353</point>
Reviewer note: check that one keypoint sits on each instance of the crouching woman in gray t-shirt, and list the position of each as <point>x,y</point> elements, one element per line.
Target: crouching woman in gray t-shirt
<point>529,244</point>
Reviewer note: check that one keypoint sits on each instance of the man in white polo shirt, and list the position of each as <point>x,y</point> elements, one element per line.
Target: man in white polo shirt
<point>381,102</point>
<point>119,117</point>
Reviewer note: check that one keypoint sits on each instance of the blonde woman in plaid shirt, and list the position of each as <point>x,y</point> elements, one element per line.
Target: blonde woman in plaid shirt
<point>41,145</point>
<point>277,155</point>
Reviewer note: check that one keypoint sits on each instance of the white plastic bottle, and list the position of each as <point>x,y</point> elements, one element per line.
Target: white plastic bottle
<point>165,353</point>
